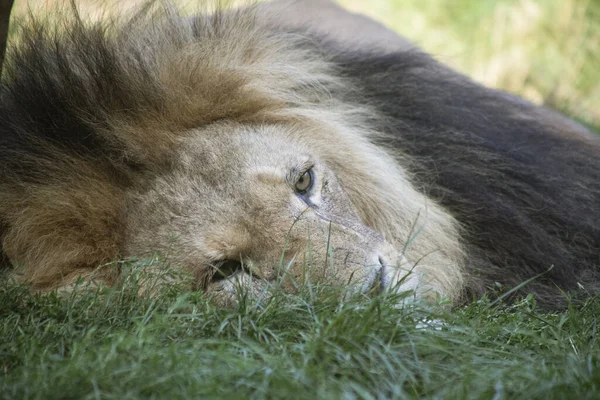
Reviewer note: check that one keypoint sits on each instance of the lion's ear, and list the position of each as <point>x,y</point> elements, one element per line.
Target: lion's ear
<point>5,9</point>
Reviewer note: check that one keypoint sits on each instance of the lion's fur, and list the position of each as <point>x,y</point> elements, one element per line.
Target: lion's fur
<point>101,123</point>
<point>524,184</point>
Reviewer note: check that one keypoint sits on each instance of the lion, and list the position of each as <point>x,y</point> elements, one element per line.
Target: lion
<point>245,150</point>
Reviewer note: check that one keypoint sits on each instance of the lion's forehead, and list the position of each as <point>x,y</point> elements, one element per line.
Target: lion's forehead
<point>236,155</point>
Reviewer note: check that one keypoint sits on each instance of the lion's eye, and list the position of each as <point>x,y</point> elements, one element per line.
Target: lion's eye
<point>305,182</point>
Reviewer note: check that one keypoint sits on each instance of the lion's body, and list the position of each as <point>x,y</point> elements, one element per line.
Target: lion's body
<point>524,187</point>
<point>183,136</point>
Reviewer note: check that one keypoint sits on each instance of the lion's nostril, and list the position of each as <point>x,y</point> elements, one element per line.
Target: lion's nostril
<point>378,282</point>
<point>226,268</point>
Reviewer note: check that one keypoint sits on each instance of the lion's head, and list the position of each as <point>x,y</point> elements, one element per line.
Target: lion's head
<point>246,204</point>
<point>232,148</point>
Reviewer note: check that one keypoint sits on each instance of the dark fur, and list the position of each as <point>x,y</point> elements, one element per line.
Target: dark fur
<point>524,185</point>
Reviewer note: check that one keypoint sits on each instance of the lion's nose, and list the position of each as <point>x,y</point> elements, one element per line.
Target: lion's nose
<point>387,255</point>
<point>381,281</point>
<point>387,258</point>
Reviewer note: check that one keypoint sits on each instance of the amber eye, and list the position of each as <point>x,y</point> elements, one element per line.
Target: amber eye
<point>305,182</point>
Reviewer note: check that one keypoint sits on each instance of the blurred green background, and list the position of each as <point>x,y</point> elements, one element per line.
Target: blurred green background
<point>547,51</point>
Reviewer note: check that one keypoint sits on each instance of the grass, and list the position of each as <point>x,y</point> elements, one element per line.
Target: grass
<point>117,344</point>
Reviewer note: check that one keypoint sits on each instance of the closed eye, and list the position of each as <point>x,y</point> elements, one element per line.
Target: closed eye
<point>225,269</point>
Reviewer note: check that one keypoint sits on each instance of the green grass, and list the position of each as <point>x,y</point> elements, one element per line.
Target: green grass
<point>116,344</point>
